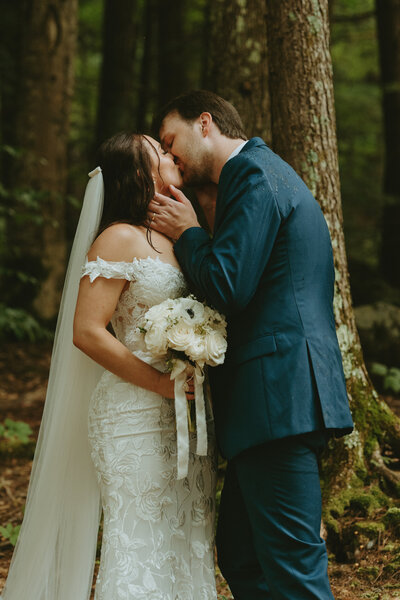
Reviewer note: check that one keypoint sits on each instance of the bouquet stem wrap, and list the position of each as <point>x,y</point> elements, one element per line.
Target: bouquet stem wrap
<point>180,372</point>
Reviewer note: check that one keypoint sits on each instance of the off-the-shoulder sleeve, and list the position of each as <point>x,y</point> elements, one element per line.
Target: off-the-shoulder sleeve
<point>109,270</point>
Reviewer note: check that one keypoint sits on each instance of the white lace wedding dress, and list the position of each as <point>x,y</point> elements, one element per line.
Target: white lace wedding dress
<point>158,532</point>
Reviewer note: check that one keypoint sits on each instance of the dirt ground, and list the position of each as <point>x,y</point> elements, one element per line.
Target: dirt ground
<point>23,377</point>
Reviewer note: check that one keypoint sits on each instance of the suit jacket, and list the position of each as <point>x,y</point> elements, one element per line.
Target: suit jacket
<point>269,269</point>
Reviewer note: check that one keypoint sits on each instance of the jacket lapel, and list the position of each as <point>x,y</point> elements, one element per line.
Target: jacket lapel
<point>251,144</point>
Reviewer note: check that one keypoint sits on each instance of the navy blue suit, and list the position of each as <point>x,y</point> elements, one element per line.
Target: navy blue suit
<point>269,269</point>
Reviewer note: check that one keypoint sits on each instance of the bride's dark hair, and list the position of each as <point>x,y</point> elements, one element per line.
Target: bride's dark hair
<point>126,165</point>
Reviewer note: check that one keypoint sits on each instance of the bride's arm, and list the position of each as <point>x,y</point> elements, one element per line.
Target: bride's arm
<point>95,306</point>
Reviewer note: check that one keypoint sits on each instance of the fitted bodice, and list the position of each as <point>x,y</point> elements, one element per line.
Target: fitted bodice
<point>151,282</point>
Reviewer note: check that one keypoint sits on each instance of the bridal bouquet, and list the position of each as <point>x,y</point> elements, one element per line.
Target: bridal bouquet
<point>188,335</point>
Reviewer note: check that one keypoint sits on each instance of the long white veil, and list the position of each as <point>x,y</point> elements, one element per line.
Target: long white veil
<point>55,552</point>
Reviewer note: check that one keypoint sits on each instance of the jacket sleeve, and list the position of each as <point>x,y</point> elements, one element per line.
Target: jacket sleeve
<point>227,269</point>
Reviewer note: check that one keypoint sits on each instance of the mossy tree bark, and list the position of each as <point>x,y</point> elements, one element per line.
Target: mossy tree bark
<point>42,126</point>
<point>304,134</point>
<point>237,66</point>
<point>388,21</point>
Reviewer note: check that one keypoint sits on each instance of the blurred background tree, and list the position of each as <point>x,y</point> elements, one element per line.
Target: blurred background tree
<point>118,78</point>
<point>38,101</point>
<point>388,21</point>
<point>133,55</point>
<point>236,65</point>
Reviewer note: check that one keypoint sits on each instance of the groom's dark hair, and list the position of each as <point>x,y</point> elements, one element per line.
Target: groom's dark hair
<point>191,104</point>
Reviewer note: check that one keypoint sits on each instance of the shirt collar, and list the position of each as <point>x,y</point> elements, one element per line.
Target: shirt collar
<point>237,150</point>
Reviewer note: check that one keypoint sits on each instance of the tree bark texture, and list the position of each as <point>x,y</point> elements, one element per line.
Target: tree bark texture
<point>46,85</point>
<point>237,68</point>
<point>117,80</point>
<point>388,21</point>
<point>304,134</point>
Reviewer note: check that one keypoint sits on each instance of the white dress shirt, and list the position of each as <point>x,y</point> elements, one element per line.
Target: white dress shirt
<point>237,150</point>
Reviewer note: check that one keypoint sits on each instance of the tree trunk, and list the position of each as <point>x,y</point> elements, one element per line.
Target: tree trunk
<point>117,82</point>
<point>46,82</point>
<point>145,66</point>
<point>237,67</point>
<point>304,134</point>
<point>172,78</point>
<point>206,44</point>
<point>10,36</point>
<point>388,21</point>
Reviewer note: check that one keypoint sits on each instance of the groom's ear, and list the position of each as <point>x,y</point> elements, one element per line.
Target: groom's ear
<point>205,123</point>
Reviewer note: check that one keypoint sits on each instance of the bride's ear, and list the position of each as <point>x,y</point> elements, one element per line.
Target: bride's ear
<point>139,174</point>
<point>155,184</point>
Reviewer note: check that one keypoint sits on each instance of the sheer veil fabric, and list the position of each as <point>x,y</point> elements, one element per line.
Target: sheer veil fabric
<point>55,552</point>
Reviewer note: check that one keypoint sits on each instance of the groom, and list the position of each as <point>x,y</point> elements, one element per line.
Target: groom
<point>281,391</point>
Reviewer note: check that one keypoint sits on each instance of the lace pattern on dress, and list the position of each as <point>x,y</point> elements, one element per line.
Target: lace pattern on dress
<point>109,270</point>
<point>158,531</point>
<point>152,281</point>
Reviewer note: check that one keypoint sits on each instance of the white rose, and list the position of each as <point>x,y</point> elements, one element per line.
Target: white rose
<point>156,341</point>
<point>216,346</point>
<point>196,350</point>
<point>158,313</point>
<point>180,336</point>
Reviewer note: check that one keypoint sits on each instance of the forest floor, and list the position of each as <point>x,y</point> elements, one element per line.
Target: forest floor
<point>23,379</point>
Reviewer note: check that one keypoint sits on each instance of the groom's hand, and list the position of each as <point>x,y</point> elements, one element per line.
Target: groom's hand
<point>172,216</point>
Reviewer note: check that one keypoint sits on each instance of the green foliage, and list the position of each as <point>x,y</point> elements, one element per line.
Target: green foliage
<point>10,532</point>
<point>363,504</point>
<point>15,431</point>
<point>392,380</point>
<point>17,323</point>
<point>392,517</point>
<point>15,439</point>
<point>21,215</point>
<point>87,73</point>
<point>354,49</point>
<point>372,573</point>
<point>370,529</point>
<point>390,377</point>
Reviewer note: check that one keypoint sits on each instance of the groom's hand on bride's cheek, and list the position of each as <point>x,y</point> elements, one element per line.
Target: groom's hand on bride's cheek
<point>172,216</point>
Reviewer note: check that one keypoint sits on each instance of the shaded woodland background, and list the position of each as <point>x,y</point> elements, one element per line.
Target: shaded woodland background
<point>72,73</point>
<point>116,64</point>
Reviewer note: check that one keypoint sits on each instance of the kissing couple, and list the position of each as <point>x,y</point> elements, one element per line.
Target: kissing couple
<point>108,439</point>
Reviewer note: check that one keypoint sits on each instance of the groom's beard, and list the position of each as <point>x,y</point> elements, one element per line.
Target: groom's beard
<point>198,173</point>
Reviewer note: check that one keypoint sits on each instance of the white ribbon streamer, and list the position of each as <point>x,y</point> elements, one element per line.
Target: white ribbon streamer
<point>201,424</point>
<point>179,374</point>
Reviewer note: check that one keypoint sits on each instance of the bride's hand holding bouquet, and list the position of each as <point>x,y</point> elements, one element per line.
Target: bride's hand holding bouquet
<point>188,335</point>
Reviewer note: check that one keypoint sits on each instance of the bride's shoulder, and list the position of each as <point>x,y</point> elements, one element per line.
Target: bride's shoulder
<point>120,242</point>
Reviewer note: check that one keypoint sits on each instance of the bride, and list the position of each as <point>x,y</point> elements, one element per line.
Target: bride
<point>108,435</point>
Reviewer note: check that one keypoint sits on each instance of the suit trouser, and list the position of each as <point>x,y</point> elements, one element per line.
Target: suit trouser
<point>268,534</point>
